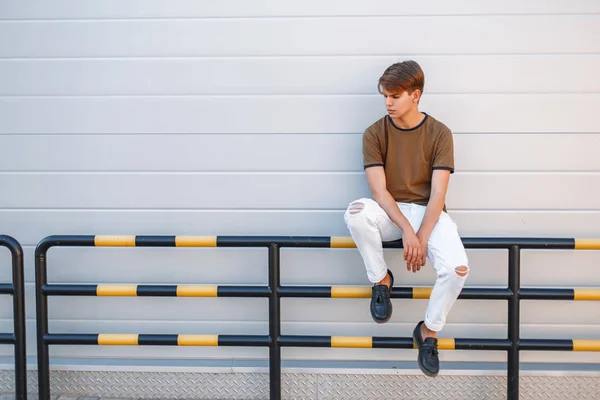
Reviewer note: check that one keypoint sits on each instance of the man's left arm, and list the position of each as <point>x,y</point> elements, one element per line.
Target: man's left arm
<point>439,187</point>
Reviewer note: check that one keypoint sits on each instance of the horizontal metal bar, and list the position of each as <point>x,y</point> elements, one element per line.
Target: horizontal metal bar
<point>560,344</point>
<point>390,342</point>
<point>546,294</point>
<point>397,292</point>
<point>156,290</point>
<point>298,241</point>
<point>281,241</point>
<point>7,338</point>
<point>156,340</point>
<point>7,288</point>
<point>482,344</point>
<point>546,344</point>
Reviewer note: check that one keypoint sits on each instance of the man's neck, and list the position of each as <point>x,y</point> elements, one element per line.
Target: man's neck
<point>409,120</point>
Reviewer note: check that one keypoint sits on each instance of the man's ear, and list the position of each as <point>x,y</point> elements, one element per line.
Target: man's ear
<point>416,95</point>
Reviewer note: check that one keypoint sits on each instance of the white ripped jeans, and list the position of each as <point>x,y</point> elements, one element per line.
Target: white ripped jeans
<point>371,226</point>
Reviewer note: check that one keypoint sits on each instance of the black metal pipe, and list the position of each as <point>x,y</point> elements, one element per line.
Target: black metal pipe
<point>546,344</point>
<point>6,288</point>
<point>19,320</point>
<point>280,241</point>
<point>482,344</point>
<point>245,340</point>
<point>243,291</point>
<point>546,294</point>
<point>514,284</point>
<point>274,324</point>
<point>397,292</point>
<point>305,341</point>
<point>17,289</point>
<point>41,280</point>
<point>7,338</point>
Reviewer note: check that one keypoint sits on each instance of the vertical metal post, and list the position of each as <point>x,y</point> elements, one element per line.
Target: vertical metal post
<point>514,284</point>
<point>274,325</point>
<point>19,321</point>
<point>42,323</point>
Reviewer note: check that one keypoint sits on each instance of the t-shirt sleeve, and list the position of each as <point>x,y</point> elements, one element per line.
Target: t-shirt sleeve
<point>372,151</point>
<point>444,152</point>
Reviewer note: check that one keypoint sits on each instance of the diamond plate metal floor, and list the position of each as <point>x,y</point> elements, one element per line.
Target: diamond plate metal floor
<point>97,385</point>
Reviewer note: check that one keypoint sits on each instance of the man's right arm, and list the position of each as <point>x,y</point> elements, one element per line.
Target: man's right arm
<point>377,184</point>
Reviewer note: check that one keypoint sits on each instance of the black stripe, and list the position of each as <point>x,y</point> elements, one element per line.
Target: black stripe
<point>6,288</point>
<point>71,338</point>
<point>546,344</point>
<point>482,344</point>
<point>305,341</point>
<point>155,241</point>
<point>547,294</point>
<point>244,340</point>
<point>157,340</point>
<point>243,291</point>
<point>401,293</point>
<point>372,165</point>
<point>524,243</point>
<point>444,169</point>
<point>485,294</point>
<point>392,343</point>
<point>305,291</point>
<point>7,338</point>
<point>70,290</point>
<point>157,290</point>
<point>264,241</point>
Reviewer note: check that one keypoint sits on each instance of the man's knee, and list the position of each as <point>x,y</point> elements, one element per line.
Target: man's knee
<point>462,271</point>
<point>356,207</point>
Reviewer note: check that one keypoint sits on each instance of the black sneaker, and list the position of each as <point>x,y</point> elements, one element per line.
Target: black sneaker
<point>428,353</point>
<point>381,305</point>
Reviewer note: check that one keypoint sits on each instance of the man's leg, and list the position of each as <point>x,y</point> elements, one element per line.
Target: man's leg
<point>448,256</point>
<point>369,226</point>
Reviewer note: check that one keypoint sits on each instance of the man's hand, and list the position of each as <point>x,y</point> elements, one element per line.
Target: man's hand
<point>413,251</point>
<point>423,240</point>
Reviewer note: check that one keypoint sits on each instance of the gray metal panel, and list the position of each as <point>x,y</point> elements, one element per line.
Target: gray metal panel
<point>76,9</point>
<point>295,152</point>
<point>306,386</point>
<point>285,190</point>
<point>275,114</point>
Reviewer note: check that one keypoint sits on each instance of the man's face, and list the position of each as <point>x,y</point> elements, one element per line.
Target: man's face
<point>398,104</point>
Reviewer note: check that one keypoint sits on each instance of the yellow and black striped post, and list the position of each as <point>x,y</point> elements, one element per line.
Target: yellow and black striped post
<point>513,293</point>
<point>17,290</point>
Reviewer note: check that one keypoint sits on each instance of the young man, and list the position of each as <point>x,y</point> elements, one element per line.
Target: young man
<point>408,159</point>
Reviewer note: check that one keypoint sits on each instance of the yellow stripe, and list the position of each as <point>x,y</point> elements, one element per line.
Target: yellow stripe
<point>196,241</point>
<point>587,294</point>
<point>443,344</point>
<point>196,291</point>
<point>365,342</point>
<point>117,339</point>
<point>350,292</point>
<point>586,345</point>
<point>198,340</point>
<point>114,241</point>
<point>421,292</point>
<point>587,244</point>
<point>341,242</point>
<point>116,290</point>
<point>446,344</point>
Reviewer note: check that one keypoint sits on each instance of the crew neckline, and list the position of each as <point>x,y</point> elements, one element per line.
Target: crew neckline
<point>409,129</point>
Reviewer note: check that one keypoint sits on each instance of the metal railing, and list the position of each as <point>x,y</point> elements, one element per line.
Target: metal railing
<point>17,338</point>
<point>513,293</point>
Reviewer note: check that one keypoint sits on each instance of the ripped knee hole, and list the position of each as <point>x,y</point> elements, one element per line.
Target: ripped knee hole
<point>355,208</point>
<point>461,271</point>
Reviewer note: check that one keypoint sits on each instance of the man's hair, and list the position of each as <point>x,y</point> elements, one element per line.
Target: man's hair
<point>403,76</point>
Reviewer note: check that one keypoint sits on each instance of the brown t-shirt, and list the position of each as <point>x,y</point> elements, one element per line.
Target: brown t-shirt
<point>411,156</point>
